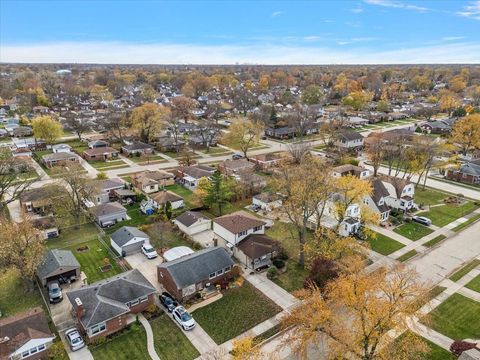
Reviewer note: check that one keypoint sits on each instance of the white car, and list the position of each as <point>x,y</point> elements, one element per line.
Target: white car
<point>183,317</point>
<point>149,251</point>
<point>74,339</point>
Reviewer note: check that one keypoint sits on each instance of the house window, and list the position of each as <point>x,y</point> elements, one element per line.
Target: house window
<point>402,203</point>
<point>133,303</point>
<point>219,272</point>
<point>211,276</point>
<point>242,233</point>
<point>143,299</point>
<point>41,347</point>
<point>25,354</point>
<point>152,187</point>
<point>257,228</point>
<point>33,351</point>
<point>98,328</point>
<point>227,269</point>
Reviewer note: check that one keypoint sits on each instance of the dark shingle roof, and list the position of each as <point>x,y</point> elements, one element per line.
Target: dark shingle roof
<point>125,234</point>
<point>138,146</point>
<point>107,299</point>
<point>196,267</point>
<point>189,218</point>
<point>258,245</point>
<point>108,208</point>
<point>350,135</point>
<point>55,259</point>
<point>238,222</point>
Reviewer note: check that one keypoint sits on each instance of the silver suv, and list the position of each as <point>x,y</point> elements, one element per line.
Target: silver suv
<point>54,292</point>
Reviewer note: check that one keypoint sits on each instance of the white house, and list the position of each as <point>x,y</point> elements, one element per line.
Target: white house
<point>192,222</point>
<point>128,240</point>
<point>377,200</point>
<point>230,229</point>
<point>400,193</point>
<point>267,201</point>
<point>348,169</point>
<point>349,140</point>
<point>161,199</point>
<point>61,148</point>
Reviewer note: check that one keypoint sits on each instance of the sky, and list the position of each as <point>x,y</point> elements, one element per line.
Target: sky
<point>244,32</point>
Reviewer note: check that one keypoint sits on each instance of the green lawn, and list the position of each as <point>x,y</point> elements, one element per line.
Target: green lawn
<point>14,296</point>
<point>407,255</point>
<point>170,342</point>
<point>413,231</point>
<point>230,208</point>
<point>74,235</point>
<point>137,218</point>
<point>191,200</point>
<point>116,164</point>
<point>429,196</point>
<point>130,345</point>
<point>147,159</point>
<point>474,284</point>
<point>464,270</point>
<point>383,244</point>
<point>466,223</point>
<point>434,352</point>
<point>293,278</point>
<point>443,215</point>
<point>93,259</point>
<point>455,318</point>
<point>434,241</point>
<point>237,311</point>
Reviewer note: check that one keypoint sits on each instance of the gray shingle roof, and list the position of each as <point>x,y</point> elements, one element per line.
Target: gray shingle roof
<point>108,208</point>
<point>197,267</point>
<point>55,259</point>
<point>189,218</point>
<point>125,234</point>
<point>107,299</point>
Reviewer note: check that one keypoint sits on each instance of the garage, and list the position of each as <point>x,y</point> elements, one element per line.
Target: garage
<point>128,240</point>
<point>58,265</point>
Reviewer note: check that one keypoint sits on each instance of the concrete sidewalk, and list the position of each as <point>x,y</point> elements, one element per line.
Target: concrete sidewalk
<point>271,290</point>
<point>150,341</point>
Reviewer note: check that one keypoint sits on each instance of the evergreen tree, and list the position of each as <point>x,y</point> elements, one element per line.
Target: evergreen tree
<point>218,192</point>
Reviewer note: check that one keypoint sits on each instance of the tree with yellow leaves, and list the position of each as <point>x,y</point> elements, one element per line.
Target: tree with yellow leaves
<point>244,349</point>
<point>448,101</point>
<point>457,84</point>
<point>47,128</point>
<point>354,313</point>
<point>22,248</point>
<point>357,100</point>
<point>148,119</point>
<point>466,133</point>
<point>243,134</point>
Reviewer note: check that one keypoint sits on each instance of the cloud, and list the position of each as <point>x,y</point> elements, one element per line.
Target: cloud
<point>453,38</point>
<point>357,10</point>
<point>397,5</point>
<point>471,11</point>
<point>162,53</point>
<point>311,38</point>
<point>276,13</point>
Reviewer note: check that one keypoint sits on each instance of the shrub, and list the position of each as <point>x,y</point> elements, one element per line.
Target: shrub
<point>282,255</point>
<point>236,271</point>
<point>279,263</point>
<point>458,347</point>
<point>99,341</point>
<point>322,271</point>
<point>272,273</point>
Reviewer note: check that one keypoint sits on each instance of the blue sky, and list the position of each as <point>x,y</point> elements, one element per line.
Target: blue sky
<point>219,32</point>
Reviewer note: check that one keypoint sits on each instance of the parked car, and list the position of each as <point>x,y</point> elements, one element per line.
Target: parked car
<point>54,292</point>
<point>237,156</point>
<point>149,251</point>
<point>168,301</point>
<point>183,317</point>
<point>74,339</point>
<point>422,220</point>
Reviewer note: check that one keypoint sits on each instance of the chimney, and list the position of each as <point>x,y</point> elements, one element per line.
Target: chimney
<point>80,310</point>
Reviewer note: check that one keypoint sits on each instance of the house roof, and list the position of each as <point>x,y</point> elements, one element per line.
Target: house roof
<point>198,266</point>
<point>107,299</point>
<point>100,151</point>
<point>350,135</point>
<point>56,259</point>
<point>267,157</point>
<point>281,131</point>
<point>379,192</point>
<point>38,194</point>
<point>397,183</point>
<point>109,184</point>
<point>189,218</point>
<point>61,146</point>
<point>267,197</point>
<point>137,145</point>
<point>197,171</point>
<point>21,328</point>
<point>348,168</point>
<point>238,164</point>
<point>125,234</point>
<point>43,223</point>
<point>238,222</point>
<point>59,156</point>
<point>258,245</point>
<point>108,208</point>
<point>163,197</point>
<point>470,168</point>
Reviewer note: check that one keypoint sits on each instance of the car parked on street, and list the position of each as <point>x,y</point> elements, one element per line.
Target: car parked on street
<point>237,156</point>
<point>74,339</point>
<point>149,251</point>
<point>54,292</point>
<point>183,318</point>
<point>168,301</point>
<point>422,220</point>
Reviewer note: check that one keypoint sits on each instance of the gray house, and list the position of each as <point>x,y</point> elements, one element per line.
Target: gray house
<point>109,214</point>
<point>128,240</point>
<point>58,265</point>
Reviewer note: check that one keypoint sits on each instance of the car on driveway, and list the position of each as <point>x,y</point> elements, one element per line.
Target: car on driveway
<point>168,301</point>
<point>74,339</point>
<point>422,220</point>
<point>183,318</point>
<point>54,292</point>
<point>237,156</point>
<point>149,251</point>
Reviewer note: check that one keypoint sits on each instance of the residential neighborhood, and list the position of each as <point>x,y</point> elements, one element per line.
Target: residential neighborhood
<point>246,210</point>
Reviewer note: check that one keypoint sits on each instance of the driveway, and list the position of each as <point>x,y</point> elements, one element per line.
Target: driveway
<point>61,312</point>
<point>204,238</point>
<point>147,267</point>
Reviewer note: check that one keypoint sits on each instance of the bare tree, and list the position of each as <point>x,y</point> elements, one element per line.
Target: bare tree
<point>298,150</point>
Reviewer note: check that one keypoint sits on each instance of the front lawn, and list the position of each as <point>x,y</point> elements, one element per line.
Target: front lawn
<point>383,244</point>
<point>108,165</point>
<point>286,234</point>
<point>129,345</point>
<point>464,270</point>
<point>429,196</point>
<point>443,215</point>
<point>456,318</point>
<point>413,231</point>
<point>292,279</point>
<point>92,255</point>
<point>170,342</point>
<point>474,284</point>
<point>14,296</point>
<point>237,311</point>
<point>190,199</point>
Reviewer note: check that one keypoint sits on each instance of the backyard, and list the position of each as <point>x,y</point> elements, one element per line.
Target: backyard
<point>237,311</point>
<point>190,199</point>
<point>413,231</point>
<point>445,214</point>
<point>74,235</point>
<point>453,318</point>
<point>383,244</point>
<point>170,342</point>
<point>130,344</point>
<point>137,218</point>
<point>14,296</point>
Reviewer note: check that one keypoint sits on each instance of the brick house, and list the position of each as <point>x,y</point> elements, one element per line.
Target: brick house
<point>102,308</point>
<point>137,147</point>
<point>186,276</point>
<point>100,154</point>
<point>59,158</point>
<point>468,173</point>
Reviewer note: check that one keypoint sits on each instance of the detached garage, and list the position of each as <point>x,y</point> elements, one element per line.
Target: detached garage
<point>128,240</point>
<point>58,265</point>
